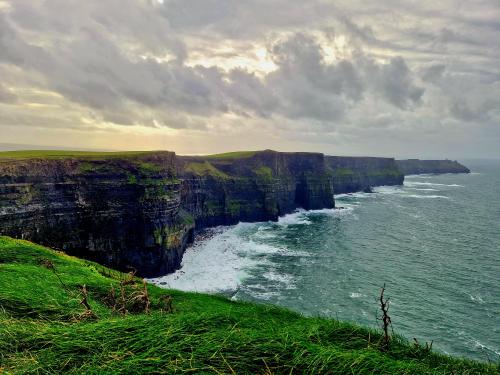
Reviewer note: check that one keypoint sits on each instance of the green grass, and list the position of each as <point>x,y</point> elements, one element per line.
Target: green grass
<point>264,173</point>
<point>205,169</point>
<point>343,172</point>
<point>63,154</point>
<point>204,334</point>
<point>232,155</point>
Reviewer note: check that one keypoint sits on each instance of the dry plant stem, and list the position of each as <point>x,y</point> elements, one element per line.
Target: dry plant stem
<point>386,319</point>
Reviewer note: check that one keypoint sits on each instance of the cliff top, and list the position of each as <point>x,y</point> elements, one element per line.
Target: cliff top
<point>262,164</point>
<point>416,166</point>
<point>231,155</point>
<point>50,323</point>
<point>63,154</point>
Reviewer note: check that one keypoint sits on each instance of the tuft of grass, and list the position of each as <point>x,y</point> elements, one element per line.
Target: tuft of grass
<point>175,331</point>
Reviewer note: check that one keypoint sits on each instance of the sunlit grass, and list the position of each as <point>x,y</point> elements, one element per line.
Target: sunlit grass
<point>204,334</point>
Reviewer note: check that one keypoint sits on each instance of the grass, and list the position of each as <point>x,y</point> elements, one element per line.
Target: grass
<point>63,154</point>
<point>343,172</point>
<point>232,155</point>
<point>205,169</point>
<point>204,334</point>
<point>264,173</point>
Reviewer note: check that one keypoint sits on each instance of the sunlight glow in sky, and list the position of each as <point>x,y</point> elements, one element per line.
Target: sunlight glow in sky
<point>390,78</point>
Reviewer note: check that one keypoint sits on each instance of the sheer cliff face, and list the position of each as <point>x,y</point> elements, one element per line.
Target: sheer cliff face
<point>415,166</point>
<point>117,211</point>
<point>351,174</point>
<point>254,186</point>
<point>140,210</point>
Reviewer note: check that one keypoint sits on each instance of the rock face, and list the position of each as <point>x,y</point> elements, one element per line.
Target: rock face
<point>352,174</point>
<point>140,210</point>
<point>416,166</point>
<point>257,186</point>
<point>119,211</point>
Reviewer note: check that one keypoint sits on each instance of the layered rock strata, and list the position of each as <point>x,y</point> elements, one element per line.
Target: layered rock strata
<point>416,166</point>
<point>352,174</point>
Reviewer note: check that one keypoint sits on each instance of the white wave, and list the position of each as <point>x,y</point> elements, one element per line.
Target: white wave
<point>476,298</point>
<point>353,195</point>
<point>389,190</point>
<point>221,261</point>
<point>356,295</point>
<point>425,196</point>
<point>345,210</point>
<point>480,345</point>
<point>427,175</point>
<point>301,216</point>
<point>215,264</point>
<point>413,183</point>
<point>422,189</point>
<point>288,281</point>
<point>263,233</point>
<point>265,295</point>
<point>297,218</point>
<point>258,291</point>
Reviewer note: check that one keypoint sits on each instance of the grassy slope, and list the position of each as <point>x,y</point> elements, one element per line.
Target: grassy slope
<point>205,169</point>
<point>204,334</point>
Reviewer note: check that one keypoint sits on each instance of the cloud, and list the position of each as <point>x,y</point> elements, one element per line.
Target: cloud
<point>395,82</point>
<point>6,96</point>
<point>433,73</point>
<point>300,70</point>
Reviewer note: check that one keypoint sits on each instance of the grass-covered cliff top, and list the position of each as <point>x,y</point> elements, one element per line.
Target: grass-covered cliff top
<point>416,166</point>
<point>64,154</point>
<point>47,325</point>
<point>232,155</point>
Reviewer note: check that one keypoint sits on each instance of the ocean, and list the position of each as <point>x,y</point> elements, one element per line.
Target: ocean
<point>434,243</point>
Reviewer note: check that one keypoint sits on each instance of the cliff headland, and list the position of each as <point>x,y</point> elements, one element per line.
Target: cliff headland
<point>416,166</point>
<point>140,209</point>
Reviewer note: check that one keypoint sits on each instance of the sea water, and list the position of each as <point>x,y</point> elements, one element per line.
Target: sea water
<point>434,243</point>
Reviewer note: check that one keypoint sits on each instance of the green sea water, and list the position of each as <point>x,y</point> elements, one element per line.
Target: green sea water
<point>434,242</point>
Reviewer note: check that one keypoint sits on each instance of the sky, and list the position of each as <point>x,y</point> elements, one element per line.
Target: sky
<point>348,77</point>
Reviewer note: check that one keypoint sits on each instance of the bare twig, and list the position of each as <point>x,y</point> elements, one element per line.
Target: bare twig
<point>88,313</point>
<point>386,319</point>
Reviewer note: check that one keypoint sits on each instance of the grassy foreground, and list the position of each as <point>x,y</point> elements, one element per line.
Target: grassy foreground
<point>44,328</point>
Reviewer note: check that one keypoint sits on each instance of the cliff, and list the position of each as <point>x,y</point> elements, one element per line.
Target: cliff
<point>253,186</point>
<point>117,209</point>
<point>352,174</point>
<point>140,209</point>
<point>416,166</point>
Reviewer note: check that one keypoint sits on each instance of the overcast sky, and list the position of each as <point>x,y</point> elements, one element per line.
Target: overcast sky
<point>389,78</point>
